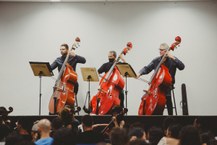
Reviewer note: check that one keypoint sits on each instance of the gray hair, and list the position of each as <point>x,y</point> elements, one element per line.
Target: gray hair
<point>165,46</point>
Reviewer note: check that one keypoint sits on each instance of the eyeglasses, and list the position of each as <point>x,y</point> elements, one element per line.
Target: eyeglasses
<point>162,49</point>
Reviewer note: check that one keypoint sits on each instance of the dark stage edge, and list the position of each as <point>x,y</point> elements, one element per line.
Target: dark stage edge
<point>207,122</point>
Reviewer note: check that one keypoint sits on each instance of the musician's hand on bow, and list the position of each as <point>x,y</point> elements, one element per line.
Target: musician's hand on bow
<point>138,75</point>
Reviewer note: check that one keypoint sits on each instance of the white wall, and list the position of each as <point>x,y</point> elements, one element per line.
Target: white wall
<point>34,32</point>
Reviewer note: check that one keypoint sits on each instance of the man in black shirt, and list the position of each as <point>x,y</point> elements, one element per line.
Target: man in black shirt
<point>89,135</point>
<point>73,58</point>
<point>105,68</point>
<point>172,63</point>
<point>72,61</point>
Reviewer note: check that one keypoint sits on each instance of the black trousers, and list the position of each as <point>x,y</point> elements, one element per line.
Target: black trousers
<point>76,86</point>
<point>121,97</point>
<point>169,103</point>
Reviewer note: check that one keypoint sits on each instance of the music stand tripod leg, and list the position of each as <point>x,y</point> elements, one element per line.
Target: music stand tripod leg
<point>87,110</point>
<point>174,101</point>
<point>40,94</point>
<point>88,94</point>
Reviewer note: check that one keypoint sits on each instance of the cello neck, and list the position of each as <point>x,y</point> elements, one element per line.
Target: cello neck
<point>63,67</point>
<point>110,71</point>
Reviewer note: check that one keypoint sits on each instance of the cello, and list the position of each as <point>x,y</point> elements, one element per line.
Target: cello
<point>108,94</point>
<point>154,100</point>
<point>64,89</point>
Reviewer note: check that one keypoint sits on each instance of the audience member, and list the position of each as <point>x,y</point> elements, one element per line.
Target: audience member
<point>118,136</point>
<point>17,139</point>
<point>89,136</point>
<point>68,119</point>
<point>64,136</point>
<point>172,135</point>
<point>34,131</point>
<point>22,129</point>
<point>4,131</point>
<point>56,124</point>
<point>44,128</point>
<point>154,135</point>
<point>137,133</point>
<point>189,135</point>
<point>207,138</point>
<point>167,122</point>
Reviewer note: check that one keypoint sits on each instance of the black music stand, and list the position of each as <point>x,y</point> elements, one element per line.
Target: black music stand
<point>127,71</point>
<point>41,69</point>
<point>89,74</point>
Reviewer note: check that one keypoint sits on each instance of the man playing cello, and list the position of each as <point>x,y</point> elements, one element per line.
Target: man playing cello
<point>73,59</point>
<point>110,93</point>
<point>172,63</point>
<point>105,68</point>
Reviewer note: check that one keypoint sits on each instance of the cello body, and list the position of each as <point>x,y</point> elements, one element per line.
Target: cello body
<point>108,95</point>
<point>154,100</point>
<point>64,92</point>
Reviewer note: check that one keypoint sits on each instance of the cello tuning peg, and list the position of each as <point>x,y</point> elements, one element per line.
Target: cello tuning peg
<point>146,91</point>
<point>77,39</point>
<point>130,45</point>
<point>178,39</point>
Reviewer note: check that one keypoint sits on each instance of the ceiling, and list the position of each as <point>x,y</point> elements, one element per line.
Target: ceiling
<point>101,0</point>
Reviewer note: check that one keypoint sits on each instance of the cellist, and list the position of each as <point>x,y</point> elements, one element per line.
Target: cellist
<point>72,61</point>
<point>172,63</point>
<point>105,68</point>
